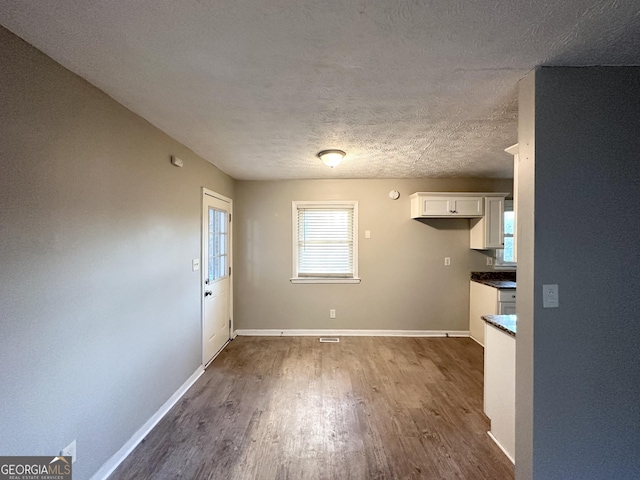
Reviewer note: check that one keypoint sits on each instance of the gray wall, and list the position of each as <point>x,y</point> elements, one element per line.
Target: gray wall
<point>585,123</point>
<point>100,311</point>
<point>405,285</point>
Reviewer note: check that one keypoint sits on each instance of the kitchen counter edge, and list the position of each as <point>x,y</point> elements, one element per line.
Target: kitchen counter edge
<point>506,323</point>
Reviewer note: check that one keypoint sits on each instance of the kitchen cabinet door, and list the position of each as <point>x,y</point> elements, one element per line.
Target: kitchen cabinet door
<point>435,205</point>
<point>466,206</point>
<point>487,233</point>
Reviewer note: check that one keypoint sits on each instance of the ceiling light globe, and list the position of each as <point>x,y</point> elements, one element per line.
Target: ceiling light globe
<point>331,158</point>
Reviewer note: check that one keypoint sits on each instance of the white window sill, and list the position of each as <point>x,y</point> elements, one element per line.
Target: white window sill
<point>324,280</point>
<point>505,267</point>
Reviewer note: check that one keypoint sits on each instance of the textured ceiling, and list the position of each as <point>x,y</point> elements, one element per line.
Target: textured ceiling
<point>258,87</point>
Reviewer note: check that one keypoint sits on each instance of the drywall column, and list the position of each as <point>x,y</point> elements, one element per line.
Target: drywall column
<point>578,189</point>
<point>525,238</point>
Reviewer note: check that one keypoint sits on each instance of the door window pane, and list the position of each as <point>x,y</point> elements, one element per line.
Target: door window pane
<point>218,246</point>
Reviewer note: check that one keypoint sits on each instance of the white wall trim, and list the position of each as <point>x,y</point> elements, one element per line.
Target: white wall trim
<point>349,333</point>
<point>501,447</point>
<point>204,239</point>
<point>117,458</point>
<point>346,204</point>
<point>324,280</point>
<point>213,194</point>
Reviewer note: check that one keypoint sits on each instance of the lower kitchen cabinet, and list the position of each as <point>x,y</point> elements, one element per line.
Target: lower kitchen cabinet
<point>483,300</point>
<point>500,387</point>
<point>486,300</point>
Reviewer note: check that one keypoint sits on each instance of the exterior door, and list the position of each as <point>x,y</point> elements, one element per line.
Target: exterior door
<point>216,267</point>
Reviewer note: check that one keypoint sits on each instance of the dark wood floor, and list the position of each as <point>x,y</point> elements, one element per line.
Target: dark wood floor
<point>294,408</point>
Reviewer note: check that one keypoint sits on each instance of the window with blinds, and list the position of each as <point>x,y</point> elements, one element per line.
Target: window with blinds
<point>325,241</point>
<point>505,256</point>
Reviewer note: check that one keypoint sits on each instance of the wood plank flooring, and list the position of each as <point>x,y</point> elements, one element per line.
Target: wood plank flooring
<point>294,408</point>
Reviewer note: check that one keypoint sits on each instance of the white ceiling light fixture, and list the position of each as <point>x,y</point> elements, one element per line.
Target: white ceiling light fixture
<point>331,158</point>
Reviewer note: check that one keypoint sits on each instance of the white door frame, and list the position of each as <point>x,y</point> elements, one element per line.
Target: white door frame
<point>204,241</point>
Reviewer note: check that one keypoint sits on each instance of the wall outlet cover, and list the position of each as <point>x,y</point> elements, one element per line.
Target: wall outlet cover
<point>550,296</point>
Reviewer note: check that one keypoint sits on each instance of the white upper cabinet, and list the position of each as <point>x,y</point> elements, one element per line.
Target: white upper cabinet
<point>486,211</point>
<point>487,233</point>
<point>446,205</point>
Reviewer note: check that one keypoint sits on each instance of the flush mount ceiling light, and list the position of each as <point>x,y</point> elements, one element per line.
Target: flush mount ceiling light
<point>331,158</point>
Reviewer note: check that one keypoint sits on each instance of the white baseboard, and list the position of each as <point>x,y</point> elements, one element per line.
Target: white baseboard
<point>501,447</point>
<point>476,340</point>
<point>349,333</point>
<point>111,464</point>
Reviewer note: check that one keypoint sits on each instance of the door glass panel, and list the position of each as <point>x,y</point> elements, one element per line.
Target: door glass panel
<point>218,246</point>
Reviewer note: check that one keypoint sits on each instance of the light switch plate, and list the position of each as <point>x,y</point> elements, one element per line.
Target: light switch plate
<point>70,451</point>
<point>196,264</point>
<point>367,234</point>
<point>550,296</point>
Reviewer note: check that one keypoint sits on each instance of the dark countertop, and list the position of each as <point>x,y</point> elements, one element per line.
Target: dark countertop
<point>506,323</point>
<point>505,280</point>
<point>504,284</point>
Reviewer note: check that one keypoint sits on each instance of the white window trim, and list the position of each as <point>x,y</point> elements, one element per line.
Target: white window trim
<point>295,205</point>
<point>499,264</point>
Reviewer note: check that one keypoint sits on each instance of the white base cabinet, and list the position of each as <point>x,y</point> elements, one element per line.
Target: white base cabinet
<point>486,300</point>
<point>483,300</point>
<point>500,387</point>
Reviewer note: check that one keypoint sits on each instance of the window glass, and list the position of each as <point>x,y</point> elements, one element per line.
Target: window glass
<point>325,240</point>
<point>505,257</point>
<point>507,254</point>
<point>218,244</point>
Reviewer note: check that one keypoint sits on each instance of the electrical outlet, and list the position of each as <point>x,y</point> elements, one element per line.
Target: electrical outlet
<point>69,451</point>
<point>332,313</point>
<point>489,260</point>
<point>550,296</point>
<point>447,261</point>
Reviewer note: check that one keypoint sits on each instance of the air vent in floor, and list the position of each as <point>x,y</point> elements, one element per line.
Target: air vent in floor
<point>329,340</point>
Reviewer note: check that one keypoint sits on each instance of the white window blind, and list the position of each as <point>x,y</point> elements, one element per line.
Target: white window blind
<point>325,243</point>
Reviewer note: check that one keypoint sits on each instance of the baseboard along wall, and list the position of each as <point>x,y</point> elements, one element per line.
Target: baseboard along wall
<point>117,458</point>
<point>348,333</point>
<point>110,465</point>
